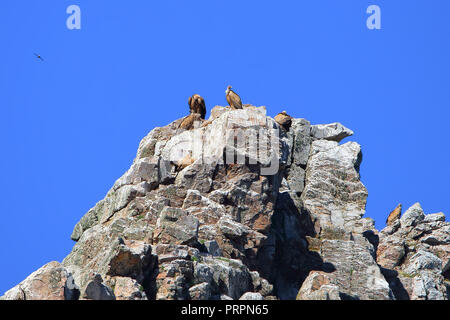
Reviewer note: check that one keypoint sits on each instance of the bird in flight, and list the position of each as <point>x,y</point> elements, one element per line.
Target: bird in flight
<point>38,56</point>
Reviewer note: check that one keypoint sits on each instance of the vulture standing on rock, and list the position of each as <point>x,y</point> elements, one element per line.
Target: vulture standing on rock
<point>233,99</point>
<point>284,120</point>
<point>197,105</point>
<point>197,111</point>
<point>189,122</point>
<point>394,215</point>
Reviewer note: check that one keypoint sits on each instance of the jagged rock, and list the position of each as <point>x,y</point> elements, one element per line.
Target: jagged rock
<point>203,214</point>
<point>318,287</point>
<point>51,282</point>
<point>261,285</point>
<point>96,290</point>
<point>412,216</point>
<point>300,140</point>
<point>126,288</point>
<point>172,282</point>
<point>423,260</point>
<point>142,170</point>
<point>296,179</point>
<point>129,258</point>
<point>333,131</point>
<point>169,252</point>
<point>213,248</point>
<point>334,196</point>
<point>232,229</point>
<point>435,217</point>
<point>217,111</point>
<point>229,276</point>
<point>251,296</point>
<point>415,255</point>
<point>354,271</point>
<point>200,291</point>
<point>151,144</point>
<point>175,225</point>
<point>203,273</point>
<point>100,251</point>
<point>437,237</point>
<point>390,229</point>
<point>88,220</point>
<point>390,253</point>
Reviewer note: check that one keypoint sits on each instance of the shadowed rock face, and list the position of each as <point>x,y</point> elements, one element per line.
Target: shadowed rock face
<point>282,220</point>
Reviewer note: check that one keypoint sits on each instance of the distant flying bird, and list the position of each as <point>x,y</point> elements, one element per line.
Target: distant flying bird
<point>38,56</point>
<point>233,99</point>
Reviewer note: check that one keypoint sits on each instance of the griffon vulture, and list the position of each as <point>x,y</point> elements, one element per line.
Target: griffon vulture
<point>188,122</point>
<point>233,99</point>
<point>394,215</point>
<point>197,105</point>
<point>284,120</point>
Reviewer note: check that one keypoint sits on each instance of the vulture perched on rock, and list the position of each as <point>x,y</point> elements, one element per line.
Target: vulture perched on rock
<point>394,215</point>
<point>284,120</point>
<point>197,112</point>
<point>233,99</point>
<point>197,105</point>
<point>188,122</point>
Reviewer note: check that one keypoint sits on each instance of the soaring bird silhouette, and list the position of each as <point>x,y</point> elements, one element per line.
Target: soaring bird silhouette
<point>38,56</point>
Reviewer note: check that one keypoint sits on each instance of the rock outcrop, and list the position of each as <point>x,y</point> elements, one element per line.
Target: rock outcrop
<point>51,282</point>
<point>414,253</point>
<point>239,208</point>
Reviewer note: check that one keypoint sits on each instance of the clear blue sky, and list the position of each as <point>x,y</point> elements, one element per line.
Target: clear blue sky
<point>71,125</point>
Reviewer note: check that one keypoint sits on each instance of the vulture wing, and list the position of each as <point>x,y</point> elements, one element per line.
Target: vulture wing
<point>230,103</point>
<point>190,104</point>
<point>235,100</point>
<point>202,107</point>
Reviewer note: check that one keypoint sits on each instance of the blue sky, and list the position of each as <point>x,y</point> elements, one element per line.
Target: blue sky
<point>71,125</point>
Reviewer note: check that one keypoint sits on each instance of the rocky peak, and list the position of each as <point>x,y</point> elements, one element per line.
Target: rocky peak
<point>239,207</point>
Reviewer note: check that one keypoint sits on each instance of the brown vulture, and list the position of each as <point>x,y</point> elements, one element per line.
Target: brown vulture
<point>284,120</point>
<point>197,105</point>
<point>233,99</point>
